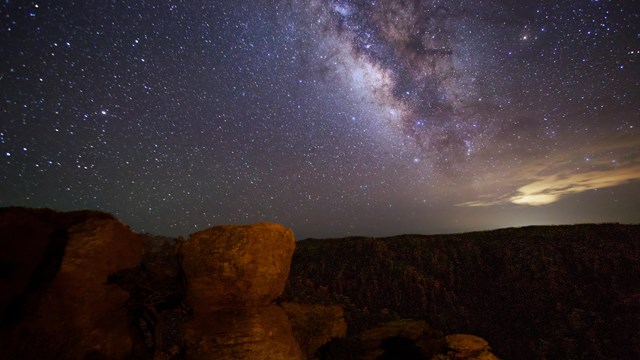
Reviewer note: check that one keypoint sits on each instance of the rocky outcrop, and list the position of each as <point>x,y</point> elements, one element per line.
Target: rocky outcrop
<point>32,243</point>
<point>82,285</point>
<point>407,340</point>
<point>259,333</point>
<point>235,273</point>
<point>78,286</point>
<point>470,347</point>
<point>237,266</point>
<point>66,309</point>
<point>315,325</point>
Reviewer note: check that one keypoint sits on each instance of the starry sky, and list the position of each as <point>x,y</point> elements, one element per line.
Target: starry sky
<point>332,117</point>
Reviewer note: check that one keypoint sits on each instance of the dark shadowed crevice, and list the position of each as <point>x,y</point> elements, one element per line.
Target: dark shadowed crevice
<point>398,347</point>
<point>39,280</point>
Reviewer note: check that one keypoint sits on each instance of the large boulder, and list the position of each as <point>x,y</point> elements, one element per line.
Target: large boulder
<point>234,273</point>
<point>315,325</point>
<point>259,333</point>
<point>237,265</point>
<point>68,310</point>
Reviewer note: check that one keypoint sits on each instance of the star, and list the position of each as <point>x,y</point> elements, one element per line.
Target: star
<point>307,112</point>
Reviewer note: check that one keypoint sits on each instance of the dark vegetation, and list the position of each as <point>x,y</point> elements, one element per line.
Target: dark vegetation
<point>157,305</point>
<point>544,292</point>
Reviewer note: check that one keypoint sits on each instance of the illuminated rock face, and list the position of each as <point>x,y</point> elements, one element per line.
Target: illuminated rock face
<point>234,274</point>
<point>60,299</point>
<point>470,347</point>
<point>260,333</point>
<point>237,266</point>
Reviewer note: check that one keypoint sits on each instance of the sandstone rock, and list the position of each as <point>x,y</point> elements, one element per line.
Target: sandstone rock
<point>33,242</point>
<point>469,347</point>
<point>262,333</point>
<point>234,275</point>
<point>315,325</point>
<point>237,266</point>
<point>73,313</point>
<point>413,336</point>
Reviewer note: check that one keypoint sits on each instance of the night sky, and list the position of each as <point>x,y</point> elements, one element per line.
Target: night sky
<point>332,117</point>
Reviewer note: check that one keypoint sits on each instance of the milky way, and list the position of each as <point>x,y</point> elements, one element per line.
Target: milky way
<point>331,117</point>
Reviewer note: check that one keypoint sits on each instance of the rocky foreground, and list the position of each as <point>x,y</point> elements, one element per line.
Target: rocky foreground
<point>82,285</point>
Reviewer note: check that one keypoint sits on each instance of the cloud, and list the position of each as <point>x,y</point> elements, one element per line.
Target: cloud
<point>545,182</point>
<point>485,200</point>
<point>552,188</point>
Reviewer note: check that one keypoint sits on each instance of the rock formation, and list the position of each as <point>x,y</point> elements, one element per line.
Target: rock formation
<point>66,309</point>
<point>407,340</point>
<point>470,347</point>
<point>235,273</point>
<point>237,266</point>
<point>261,333</point>
<point>315,325</point>
<point>82,285</point>
<point>78,286</point>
